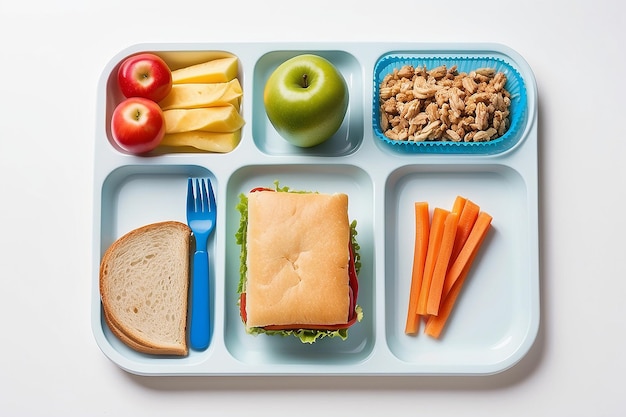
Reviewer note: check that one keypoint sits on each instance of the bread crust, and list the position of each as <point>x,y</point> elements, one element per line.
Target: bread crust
<point>147,262</point>
<point>152,350</point>
<point>297,259</point>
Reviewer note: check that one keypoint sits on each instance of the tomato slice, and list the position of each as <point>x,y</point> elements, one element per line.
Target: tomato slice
<point>354,281</point>
<point>254,190</point>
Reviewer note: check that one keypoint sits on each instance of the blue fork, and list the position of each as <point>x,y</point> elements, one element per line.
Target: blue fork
<point>201,214</point>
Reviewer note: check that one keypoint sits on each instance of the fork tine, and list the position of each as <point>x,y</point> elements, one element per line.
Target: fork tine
<point>200,196</point>
<point>191,201</point>
<point>211,196</point>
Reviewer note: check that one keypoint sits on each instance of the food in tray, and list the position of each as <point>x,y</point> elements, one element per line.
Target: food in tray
<point>299,264</point>
<point>445,248</point>
<point>221,142</point>
<point>306,99</point>
<point>203,97</point>
<point>219,70</point>
<point>145,75</point>
<point>195,95</point>
<point>202,110</point>
<point>144,279</point>
<point>138,125</point>
<point>208,119</point>
<point>441,104</point>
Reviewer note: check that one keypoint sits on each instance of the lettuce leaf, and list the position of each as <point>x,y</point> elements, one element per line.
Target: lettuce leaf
<point>305,335</point>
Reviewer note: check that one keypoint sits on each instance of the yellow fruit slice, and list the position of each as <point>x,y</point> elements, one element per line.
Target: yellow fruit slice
<point>215,71</point>
<point>195,95</point>
<point>209,119</point>
<point>205,141</point>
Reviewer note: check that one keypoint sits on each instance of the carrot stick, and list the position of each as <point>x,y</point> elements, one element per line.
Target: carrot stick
<point>471,246</point>
<point>441,266</point>
<point>459,204</point>
<point>467,218</point>
<point>434,242</point>
<point>422,226</point>
<point>435,324</point>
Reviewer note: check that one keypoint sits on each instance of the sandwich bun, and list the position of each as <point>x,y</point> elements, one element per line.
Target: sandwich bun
<point>298,264</point>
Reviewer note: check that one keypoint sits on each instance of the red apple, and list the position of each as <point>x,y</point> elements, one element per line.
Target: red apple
<point>145,75</point>
<point>138,125</point>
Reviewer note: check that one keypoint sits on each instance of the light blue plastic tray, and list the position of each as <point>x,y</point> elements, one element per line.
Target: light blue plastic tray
<point>494,323</point>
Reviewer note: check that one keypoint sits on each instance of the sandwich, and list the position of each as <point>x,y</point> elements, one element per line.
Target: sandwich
<point>299,264</point>
<point>144,279</point>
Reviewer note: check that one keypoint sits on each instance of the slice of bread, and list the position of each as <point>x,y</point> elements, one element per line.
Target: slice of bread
<point>144,280</point>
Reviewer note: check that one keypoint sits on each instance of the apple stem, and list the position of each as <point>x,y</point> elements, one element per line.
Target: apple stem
<point>305,81</point>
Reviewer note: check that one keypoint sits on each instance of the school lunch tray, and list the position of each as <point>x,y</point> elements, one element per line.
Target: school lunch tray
<point>496,318</point>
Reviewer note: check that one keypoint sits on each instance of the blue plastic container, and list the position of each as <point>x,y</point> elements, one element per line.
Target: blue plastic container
<point>466,63</point>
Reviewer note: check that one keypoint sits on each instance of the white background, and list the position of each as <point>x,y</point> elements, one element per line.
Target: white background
<point>51,57</point>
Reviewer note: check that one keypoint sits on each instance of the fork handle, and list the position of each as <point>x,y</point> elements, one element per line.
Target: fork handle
<point>200,326</point>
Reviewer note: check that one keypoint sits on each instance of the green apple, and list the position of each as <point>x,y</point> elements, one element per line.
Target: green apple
<point>306,99</point>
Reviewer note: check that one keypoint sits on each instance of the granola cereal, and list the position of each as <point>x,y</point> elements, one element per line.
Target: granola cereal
<point>442,104</point>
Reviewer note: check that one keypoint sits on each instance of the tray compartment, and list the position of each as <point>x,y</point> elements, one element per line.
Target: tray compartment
<point>350,134</point>
<point>492,318</point>
<point>263,349</point>
<point>136,195</point>
<point>175,60</point>
<point>465,63</point>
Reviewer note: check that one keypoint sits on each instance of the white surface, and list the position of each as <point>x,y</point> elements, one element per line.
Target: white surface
<point>52,55</point>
